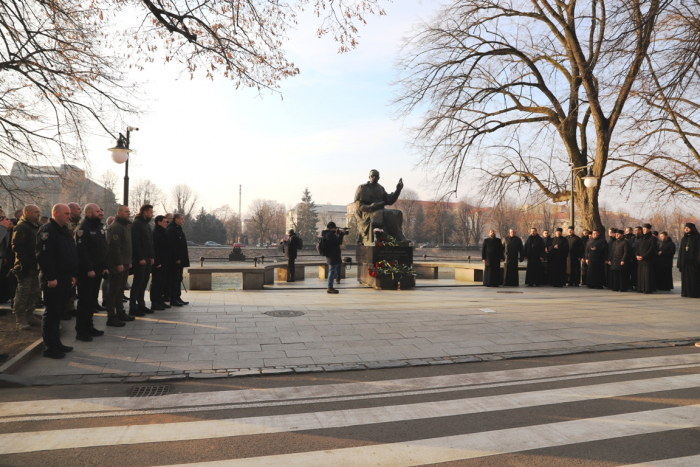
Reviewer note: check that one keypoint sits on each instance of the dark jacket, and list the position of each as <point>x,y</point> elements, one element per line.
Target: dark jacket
<point>534,247</point>
<point>56,252</point>
<point>24,246</point>
<point>160,247</point>
<point>333,243</point>
<point>575,247</point>
<point>597,249</point>
<point>513,249</point>
<point>92,246</point>
<point>668,250</point>
<point>621,251</point>
<point>291,245</point>
<point>547,244</point>
<point>119,244</point>
<point>647,248</point>
<point>177,246</point>
<point>561,253</point>
<point>492,251</point>
<point>689,251</point>
<point>141,240</point>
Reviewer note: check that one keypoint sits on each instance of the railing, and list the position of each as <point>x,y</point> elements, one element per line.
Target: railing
<point>254,259</point>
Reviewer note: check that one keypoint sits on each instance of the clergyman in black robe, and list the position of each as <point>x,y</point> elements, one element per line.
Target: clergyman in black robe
<point>492,255</point>
<point>533,251</point>
<point>545,262</point>
<point>612,232</point>
<point>689,262</point>
<point>514,255</point>
<point>646,252</point>
<point>596,255</point>
<point>619,257</point>
<point>664,263</point>
<point>573,261</point>
<point>557,257</point>
<point>584,266</point>
<point>634,268</point>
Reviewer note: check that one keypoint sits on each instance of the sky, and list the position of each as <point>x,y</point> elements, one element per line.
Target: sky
<point>331,125</point>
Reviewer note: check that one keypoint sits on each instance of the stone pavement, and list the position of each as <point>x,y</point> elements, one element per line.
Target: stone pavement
<point>228,333</point>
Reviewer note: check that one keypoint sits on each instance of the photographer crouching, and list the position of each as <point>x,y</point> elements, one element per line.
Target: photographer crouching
<point>329,246</point>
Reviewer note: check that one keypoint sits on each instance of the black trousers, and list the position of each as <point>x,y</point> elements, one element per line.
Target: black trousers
<point>56,300</point>
<point>159,284</point>
<point>174,280</point>
<point>142,274</point>
<point>88,290</point>
<point>117,284</point>
<point>290,268</point>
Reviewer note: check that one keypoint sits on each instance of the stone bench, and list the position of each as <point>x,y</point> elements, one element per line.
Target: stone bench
<point>253,277</point>
<point>468,272</point>
<point>299,270</point>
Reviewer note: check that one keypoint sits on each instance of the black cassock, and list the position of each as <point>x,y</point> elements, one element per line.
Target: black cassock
<point>664,265</point>
<point>557,257</point>
<point>584,265</point>
<point>611,240</point>
<point>492,254</point>
<point>689,265</point>
<point>514,255</point>
<point>534,251</point>
<point>596,254</point>
<point>573,261</point>
<point>646,248</point>
<point>620,253</point>
<point>545,264</point>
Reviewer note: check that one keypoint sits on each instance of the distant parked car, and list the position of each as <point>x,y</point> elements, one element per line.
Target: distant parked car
<point>258,245</point>
<point>191,243</point>
<point>239,245</point>
<point>210,243</point>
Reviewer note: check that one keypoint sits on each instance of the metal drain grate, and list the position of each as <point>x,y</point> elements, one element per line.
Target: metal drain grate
<point>284,313</point>
<point>509,292</point>
<point>149,391</point>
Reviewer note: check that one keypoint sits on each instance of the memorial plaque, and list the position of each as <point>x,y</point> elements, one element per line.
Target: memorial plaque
<point>367,256</point>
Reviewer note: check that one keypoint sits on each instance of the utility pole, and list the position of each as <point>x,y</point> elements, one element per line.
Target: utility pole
<point>240,219</point>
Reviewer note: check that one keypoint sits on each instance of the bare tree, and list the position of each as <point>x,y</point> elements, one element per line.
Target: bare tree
<point>407,203</point>
<point>184,199</point>
<point>520,90</point>
<point>144,191</point>
<point>263,214</point>
<point>440,220</point>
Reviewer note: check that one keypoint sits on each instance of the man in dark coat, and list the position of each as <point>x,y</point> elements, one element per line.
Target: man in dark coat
<point>689,262</point>
<point>58,262</point>
<point>664,263</point>
<point>179,258</point>
<point>573,261</point>
<point>545,262</point>
<point>492,255</point>
<point>619,255</point>
<point>513,247</point>
<point>118,261</point>
<point>291,245</point>
<point>557,257</point>
<point>646,252</point>
<point>161,260</point>
<point>612,238</point>
<point>534,254</point>
<point>142,253</point>
<point>596,255</point>
<point>92,261</point>
<point>333,238</point>
<point>25,267</point>
<point>584,265</point>
<point>633,266</point>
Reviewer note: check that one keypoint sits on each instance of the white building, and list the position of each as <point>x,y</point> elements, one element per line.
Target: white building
<point>325,212</point>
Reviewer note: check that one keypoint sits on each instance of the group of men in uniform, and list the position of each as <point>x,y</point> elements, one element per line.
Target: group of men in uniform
<point>641,260</point>
<point>69,252</point>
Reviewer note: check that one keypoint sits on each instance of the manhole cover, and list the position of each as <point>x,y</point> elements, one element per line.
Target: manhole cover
<point>284,313</point>
<point>149,391</point>
<point>508,292</point>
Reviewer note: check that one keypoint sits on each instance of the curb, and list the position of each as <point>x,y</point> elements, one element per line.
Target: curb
<point>158,377</point>
<point>18,360</point>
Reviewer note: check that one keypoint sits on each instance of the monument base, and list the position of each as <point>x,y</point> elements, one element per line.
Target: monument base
<point>369,255</point>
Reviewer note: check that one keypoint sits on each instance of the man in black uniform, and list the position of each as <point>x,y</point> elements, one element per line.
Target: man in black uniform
<point>492,255</point>
<point>291,244</point>
<point>513,246</point>
<point>142,254</point>
<point>58,262</point>
<point>179,258</point>
<point>92,266</point>
<point>161,258</point>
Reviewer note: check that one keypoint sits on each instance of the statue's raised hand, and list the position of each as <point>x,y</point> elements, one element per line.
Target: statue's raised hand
<point>399,186</point>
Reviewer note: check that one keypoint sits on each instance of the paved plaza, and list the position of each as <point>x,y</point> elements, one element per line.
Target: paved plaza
<point>229,332</point>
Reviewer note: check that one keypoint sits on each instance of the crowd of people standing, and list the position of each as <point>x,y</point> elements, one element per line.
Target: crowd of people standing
<point>638,259</point>
<point>71,257</point>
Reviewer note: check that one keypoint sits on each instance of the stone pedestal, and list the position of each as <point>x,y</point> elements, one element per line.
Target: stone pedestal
<point>469,275</point>
<point>368,255</point>
<point>282,273</point>
<point>425,272</point>
<point>254,280</point>
<point>200,281</point>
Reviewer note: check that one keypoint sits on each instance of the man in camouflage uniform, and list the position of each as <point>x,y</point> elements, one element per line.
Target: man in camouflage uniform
<point>26,268</point>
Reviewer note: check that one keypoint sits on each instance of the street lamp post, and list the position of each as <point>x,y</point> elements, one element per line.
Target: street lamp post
<point>590,180</point>
<point>120,155</point>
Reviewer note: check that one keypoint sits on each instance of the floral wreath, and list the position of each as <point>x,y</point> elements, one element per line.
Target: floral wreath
<point>385,267</point>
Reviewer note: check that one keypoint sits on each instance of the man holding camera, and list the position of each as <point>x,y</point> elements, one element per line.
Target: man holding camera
<point>332,239</point>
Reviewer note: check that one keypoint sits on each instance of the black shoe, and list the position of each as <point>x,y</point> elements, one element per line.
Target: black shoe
<point>100,308</point>
<point>166,305</point>
<point>182,302</point>
<point>96,332</point>
<point>52,353</point>
<point>175,304</point>
<point>290,280</point>
<point>157,307</point>
<point>65,348</point>
<point>124,317</point>
<point>146,310</point>
<point>333,291</point>
<point>83,337</point>
<point>115,322</point>
<point>136,312</point>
